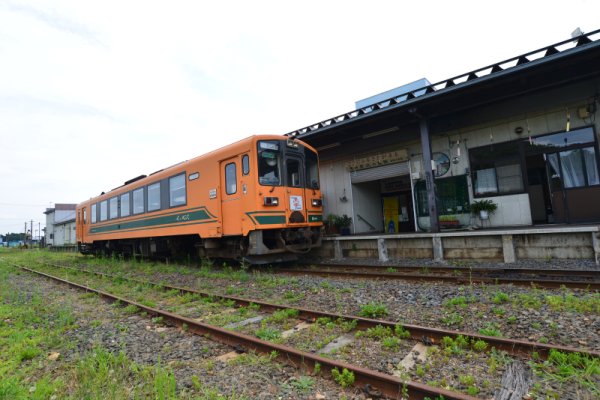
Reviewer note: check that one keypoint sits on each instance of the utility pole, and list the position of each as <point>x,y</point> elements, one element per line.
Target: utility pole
<point>31,229</point>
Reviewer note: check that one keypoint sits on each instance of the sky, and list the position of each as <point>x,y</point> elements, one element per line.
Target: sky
<point>93,93</point>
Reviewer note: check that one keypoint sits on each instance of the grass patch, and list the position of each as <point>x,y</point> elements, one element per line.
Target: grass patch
<point>373,310</point>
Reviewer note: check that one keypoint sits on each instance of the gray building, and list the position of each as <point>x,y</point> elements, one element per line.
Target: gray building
<point>60,225</point>
<point>522,133</point>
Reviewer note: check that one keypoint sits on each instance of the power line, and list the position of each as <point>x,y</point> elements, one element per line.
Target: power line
<point>25,205</point>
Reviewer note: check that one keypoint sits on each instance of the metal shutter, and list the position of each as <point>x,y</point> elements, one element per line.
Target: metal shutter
<point>385,171</point>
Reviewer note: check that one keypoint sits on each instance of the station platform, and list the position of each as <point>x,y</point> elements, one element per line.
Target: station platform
<point>508,245</point>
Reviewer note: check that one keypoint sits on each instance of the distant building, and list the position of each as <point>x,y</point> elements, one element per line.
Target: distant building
<point>60,225</point>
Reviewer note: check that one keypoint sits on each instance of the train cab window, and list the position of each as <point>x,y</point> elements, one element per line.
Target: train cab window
<point>124,205</point>
<point>113,208</point>
<point>103,210</point>
<point>312,170</point>
<point>293,172</point>
<point>269,163</point>
<point>154,197</point>
<point>85,216</point>
<point>138,201</point>
<point>177,190</point>
<point>94,208</point>
<point>245,164</point>
<point>230,178</point>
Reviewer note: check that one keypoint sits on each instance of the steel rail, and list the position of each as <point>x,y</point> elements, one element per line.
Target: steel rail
<point>425,334</point>
<point>388,385</point>
<point>459,279</point>
<point>461,270</point>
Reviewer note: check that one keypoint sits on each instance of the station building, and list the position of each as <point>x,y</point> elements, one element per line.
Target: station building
<point>522,133</point>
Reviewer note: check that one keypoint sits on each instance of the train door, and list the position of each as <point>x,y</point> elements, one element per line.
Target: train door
<point>80,223</point>
<point>231,202</point>
<point>295,202</point>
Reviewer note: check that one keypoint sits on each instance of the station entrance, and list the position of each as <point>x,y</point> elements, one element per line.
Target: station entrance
<point>383,200</point>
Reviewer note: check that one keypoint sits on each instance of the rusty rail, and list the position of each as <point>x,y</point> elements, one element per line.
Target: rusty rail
<point>515,347</point>
<point>456,276</point>
<point>389,385</point>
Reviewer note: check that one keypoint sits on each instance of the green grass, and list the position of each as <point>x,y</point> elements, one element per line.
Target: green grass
<point>32,326</point>
<point>373,310</point>
<point>575,368</point>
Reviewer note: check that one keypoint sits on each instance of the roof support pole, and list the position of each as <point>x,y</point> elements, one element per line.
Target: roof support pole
<point>429,179</point>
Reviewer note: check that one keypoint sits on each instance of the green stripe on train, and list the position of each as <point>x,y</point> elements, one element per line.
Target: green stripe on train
<point>200,215</point>
<point>315,218</point>
<point>271,217</point>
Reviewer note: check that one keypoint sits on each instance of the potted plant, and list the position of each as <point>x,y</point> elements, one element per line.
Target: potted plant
<point>483,208</point>
<point>331,225</point>
<point>343,223</point>
<point>449,221</point>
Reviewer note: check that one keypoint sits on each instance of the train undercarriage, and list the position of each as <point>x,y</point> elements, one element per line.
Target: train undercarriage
<point>259,247</point>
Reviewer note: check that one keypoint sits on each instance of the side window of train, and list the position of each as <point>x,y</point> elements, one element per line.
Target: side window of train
<point>177,190</point>
<point>124,205</point>
<point>245,164</point>
<point>103,210</point>
<point>94,213</point>
<point>138,201</point>
<point>154,197</point>
<point>113,208</point>
<point>85,216</point>
<point>230,178</point>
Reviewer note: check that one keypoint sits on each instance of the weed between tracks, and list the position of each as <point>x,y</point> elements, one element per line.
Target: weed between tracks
<point>494,307</point>
<point>32,339</point>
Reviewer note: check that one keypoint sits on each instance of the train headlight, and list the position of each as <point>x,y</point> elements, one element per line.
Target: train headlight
<point>271,201</point>
<point>317,202</point>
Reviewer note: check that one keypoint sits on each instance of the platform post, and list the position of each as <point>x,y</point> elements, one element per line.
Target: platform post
<point>438,249</point>
<point>382,250</point>
<point>337,250</point>
<point>429,178</point>
<point>508,249</point>
<point>596,246</point>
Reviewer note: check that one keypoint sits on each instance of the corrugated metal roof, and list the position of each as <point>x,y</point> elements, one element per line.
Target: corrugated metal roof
<point>411,99</point>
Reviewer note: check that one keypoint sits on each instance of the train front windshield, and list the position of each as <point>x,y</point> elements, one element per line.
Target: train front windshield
<point>287,163</point>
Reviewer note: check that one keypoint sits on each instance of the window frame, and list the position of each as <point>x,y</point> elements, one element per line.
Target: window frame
<point>94,212</point>
<point>151,187</point>
<point>234,178</point>
<point>182,175</point>
<point>557,150</point>
<point>245,164</point>
<point>110,207</point>
<point>104,207</point>
<point>133,198</point>
<point>121,208</point>
<point>515,158</point>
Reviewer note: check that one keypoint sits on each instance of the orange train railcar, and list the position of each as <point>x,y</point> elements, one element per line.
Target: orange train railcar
<point>257,199</point>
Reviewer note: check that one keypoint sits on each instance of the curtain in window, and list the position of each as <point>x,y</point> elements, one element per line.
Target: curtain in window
<point>591,168</point>
<point>572,168</point>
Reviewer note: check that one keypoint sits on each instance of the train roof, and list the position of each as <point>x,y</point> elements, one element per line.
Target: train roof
<point>144,179</point>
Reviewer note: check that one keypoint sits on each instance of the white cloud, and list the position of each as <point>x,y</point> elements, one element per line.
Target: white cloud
<point>95,93</point>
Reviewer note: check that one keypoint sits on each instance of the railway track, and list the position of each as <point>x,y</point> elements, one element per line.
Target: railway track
<point>426,334</point>
<point>369,380</point>
<point>543,278</point>
<point>387,384</point>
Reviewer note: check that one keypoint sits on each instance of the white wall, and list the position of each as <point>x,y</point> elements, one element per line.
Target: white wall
<point>335,184</point>
<point>367,203</point>
<point>64,234</point>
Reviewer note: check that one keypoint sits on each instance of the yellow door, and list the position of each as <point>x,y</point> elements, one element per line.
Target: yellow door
<point>391,206</point>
